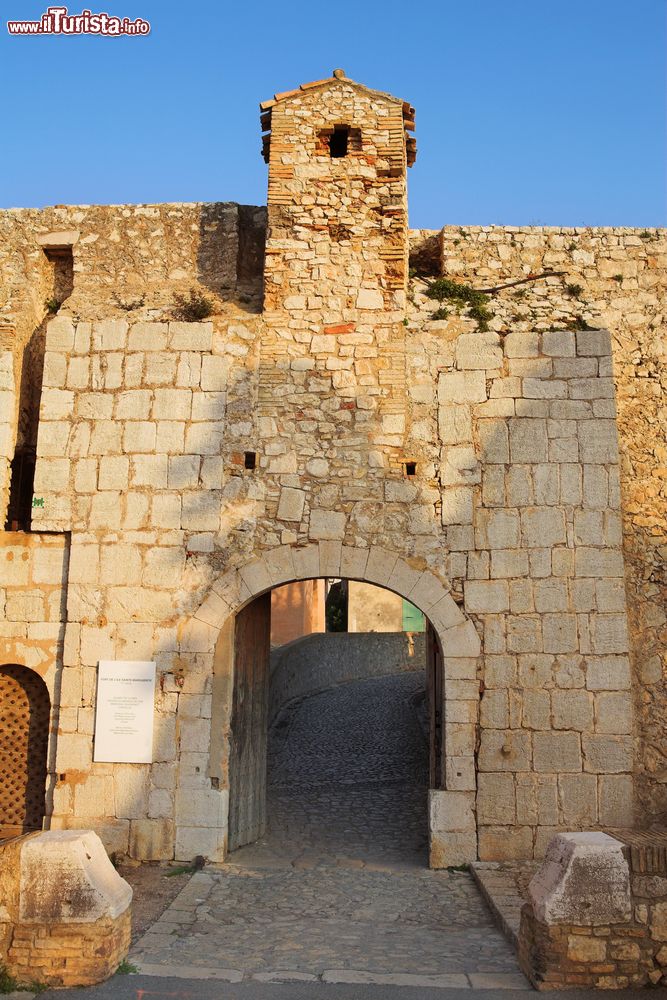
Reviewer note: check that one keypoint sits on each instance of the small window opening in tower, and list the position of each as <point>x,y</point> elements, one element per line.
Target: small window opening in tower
<point>338,141</point>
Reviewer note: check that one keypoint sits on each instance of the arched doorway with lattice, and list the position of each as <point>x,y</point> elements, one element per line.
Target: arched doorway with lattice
<point>25,710</point>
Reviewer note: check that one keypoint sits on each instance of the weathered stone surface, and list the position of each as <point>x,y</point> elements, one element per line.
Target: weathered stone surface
<point>584,880</point>
<point>66,876</point>
<point>66,909</point>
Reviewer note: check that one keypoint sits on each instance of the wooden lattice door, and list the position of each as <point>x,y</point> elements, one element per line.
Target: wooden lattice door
<point>24,734</point>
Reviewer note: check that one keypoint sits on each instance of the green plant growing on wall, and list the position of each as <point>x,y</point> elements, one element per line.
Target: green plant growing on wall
<point>618,278</point>
<point>461,297</point>
<point>52,305</point>
<point>126,969</point>
<point>193,307</point>
<point>9,984</point>
<point>574,291</point>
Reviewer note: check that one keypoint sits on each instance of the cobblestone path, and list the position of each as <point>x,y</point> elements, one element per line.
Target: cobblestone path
<point>348,777</point>
<point>338,889</point>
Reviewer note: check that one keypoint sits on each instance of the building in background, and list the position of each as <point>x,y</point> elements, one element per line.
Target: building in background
<point>374,609</point>
<point>297,609</point>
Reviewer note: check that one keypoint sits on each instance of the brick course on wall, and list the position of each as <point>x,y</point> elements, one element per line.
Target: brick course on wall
<point>514,509</point>
<point>610,951</point>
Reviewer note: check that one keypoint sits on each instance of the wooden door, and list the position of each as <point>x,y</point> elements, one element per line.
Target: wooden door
<point>249,723</point>
<point>24,733</point>
<point>434,667</point>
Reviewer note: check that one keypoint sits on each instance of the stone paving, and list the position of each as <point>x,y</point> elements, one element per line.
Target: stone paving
<point>504,886</point>
<point>338,889</point>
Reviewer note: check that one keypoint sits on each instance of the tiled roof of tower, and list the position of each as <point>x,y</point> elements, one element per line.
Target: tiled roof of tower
<point>338,74</point>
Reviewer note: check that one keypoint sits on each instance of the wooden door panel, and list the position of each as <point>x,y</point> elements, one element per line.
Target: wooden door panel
<point>434,668</point>
<point>249,723</point>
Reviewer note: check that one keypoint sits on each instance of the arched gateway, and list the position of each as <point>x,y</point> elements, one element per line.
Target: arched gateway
<point>234,619</point>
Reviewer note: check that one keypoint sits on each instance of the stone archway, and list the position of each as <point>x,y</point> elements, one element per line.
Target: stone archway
<point>25,710</point>
<point>452,826</point>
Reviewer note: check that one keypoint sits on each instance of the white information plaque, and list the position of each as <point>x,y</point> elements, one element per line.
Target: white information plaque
<point>124,716</point>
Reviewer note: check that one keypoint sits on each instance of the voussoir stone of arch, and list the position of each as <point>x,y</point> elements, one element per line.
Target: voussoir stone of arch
<point>214,609</point>
<point>306,562</point>
<point>330,557</point>
<point>231,588</point>
<point>380,565</point>
<point>427,591</point>
<point>280,564</point>
<point>585,880</point>
<point>446,614</point>
<point>461,640</point>
<point>67,877</point>
<point>256,577</point>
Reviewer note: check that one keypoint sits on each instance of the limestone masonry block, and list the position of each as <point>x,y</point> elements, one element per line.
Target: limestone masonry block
<point>60,334</point>
<point>528,440</point>
<point>584,880</point>
<point>291,504</point>
<point>191,336</point>
<point>462,387</point>
<point>151,839</point>
<point>326,524</point>
<point>557,752</point>
<point>559,343</point>
<point>593,342</point>
<point>66,876</point>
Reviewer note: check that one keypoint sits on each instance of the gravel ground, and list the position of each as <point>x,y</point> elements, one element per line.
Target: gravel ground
<point>154,890</point>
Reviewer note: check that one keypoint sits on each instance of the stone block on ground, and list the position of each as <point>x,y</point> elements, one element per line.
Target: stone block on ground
<point>584,880</point>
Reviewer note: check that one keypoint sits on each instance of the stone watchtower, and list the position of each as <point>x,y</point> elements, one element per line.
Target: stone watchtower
<point>337,201</point>
<point>335,276</point>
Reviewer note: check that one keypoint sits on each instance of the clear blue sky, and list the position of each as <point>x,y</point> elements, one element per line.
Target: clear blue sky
<point>528,111</point>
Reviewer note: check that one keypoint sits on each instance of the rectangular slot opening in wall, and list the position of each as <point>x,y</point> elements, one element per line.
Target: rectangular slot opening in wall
<point>22,478</point>
<point>250,459</point>
<point>411,469</point>
<point>61,260</point>
<point>338,141</point>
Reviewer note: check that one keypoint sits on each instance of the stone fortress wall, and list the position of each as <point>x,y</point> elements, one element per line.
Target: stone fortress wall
<point>623,288</point>
<point>513,512</point>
